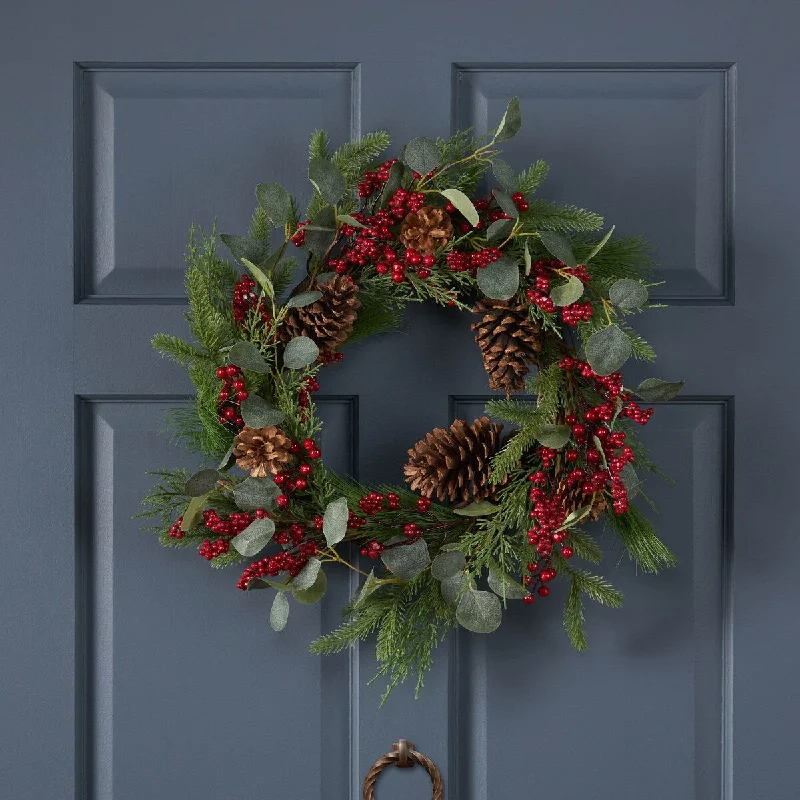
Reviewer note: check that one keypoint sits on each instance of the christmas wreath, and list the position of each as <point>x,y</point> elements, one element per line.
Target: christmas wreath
<point>491,515</point>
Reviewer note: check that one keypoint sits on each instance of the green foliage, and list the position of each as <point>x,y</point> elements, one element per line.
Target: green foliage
<point>166,500</point>
<point>531,178</point>
<point>467,173</point>
<point>178,350</point>
<point>519,412</point>
<point>545,216</point>
<point>629,257</point>
<point>319,146</point>
<point>375,316</point>
<point>354,158</point>
<point>260,225</point>
<point>585,546</point>
<point>640,540</point>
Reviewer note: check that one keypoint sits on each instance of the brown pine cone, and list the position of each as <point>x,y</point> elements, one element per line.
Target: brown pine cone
<point>509,341</point>
<point>263,451</point>
<point>573,498</point>
<point>426,230</point>
<point>328,321</point>
<point>454,463</point>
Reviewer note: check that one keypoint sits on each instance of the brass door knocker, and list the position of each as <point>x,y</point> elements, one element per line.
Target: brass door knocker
<point>404,755</point>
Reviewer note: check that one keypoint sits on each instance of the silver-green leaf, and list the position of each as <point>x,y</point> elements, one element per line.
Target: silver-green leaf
<point>194,512</point>
<point>505,586</point>
<point>500,279</point>
<point>554,436</point>
<point>275,200</point>
<point>628,294</point>
<point>307,576</point>
<point>631,480</point>
<point>327,179</point>
<point>314,593</point>
<point>406,561</point>
<point>247,356</point>
<point>334,521</point>
<point>479,611</point>
<point>303,299</point>
<point>453,586</point>
<point>279,613</point>
<point>480,508</point>
<point>510,123</point>
<point>254,493</point>
<point>567,293</point>
<point>201,482</point>
<point>654,390</point>
<point>351,221</point>
<point>258,413</point>
<point>558,247</point>
<point>499,230</point>
<point>506,203</point>
<point>599,246</point>
<point>254,538</point>
<point>447,564</point>
<point>505,174</point>
<point>300,352</point>
<point>607,350</point>
<point>462,204</point>
<point>422,155</point>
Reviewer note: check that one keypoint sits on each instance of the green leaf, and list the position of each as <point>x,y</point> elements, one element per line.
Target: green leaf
<point>303,299</point>
<point>654,390</point>
<point>607,350</point>
<point>247,356</point>
<point>258,413</point>
<point>275,200</point>
<point>351,221</point>
<point>321,233</point>
<point>479,612</point>
<point>324,277</point>
<point>453,586</point>
<point>631,480</point>
<point>558,247</point>
<point>599,246</point>
<point>307,576</point>
<point>574,517</point>
<point>567,293</point>
<point>573,616</point>
<point>445,565</point>
<point>228,459</point>
<point>554,436</point>
<point>254,538</point>
<point>463,204</point>
<point>499,230</point>
<point>500,279</point>
<point>201,483</point>
<point>244,247</point>
<point>505,174</point>
<point>334,521</point>
<point>506,203</point>
<point>526,254</point>
<point>480,508</point>
<point>628,294</point>
<point>266,583</point>
<point>261,277</point>
<point>371,584</point>
<point>510,123</point>
<point>406,561</point>
<point>393,183</point>
<point>254,493</point>
<point>279,613</point>
<point>314,593</point>
<point>505,586</point>
<point>194,512</point>
<point>327,179</point>
<point>300,352</point>
<point>422,155</point>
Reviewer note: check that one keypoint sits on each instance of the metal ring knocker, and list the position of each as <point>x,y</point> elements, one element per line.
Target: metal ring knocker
<point>404,755</point>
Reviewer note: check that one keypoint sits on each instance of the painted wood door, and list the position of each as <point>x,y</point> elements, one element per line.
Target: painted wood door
<point>131,673</point>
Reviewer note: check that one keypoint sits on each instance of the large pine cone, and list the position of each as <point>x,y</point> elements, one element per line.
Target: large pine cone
<point>454,463</point>
<point>262,451</point>
<point>426,230</point>
<point>573,498</point>
<point>328,321</point>
<point>509,341</point>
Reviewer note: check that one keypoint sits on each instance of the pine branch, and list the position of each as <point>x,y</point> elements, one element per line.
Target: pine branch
<point>518,412</point>
<point>319,146</point>
<point>178,350</point>
<point>585,546</point>
<point>375,316</point>
<point>629,257</point>
<point>353,158</point>
<point>530,179</point>
<point>545,216</point>
<point>261,225</point>
<point>640,540</point>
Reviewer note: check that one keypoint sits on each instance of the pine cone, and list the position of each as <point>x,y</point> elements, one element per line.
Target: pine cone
<point>509,341</point>
<point>426,230</point>
<point>263,451</point>
<point>573,498</point>
<point>454,463</point>
<point>328,321</point>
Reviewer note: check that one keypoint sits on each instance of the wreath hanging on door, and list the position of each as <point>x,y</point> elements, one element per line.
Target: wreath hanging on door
<point>491,515</point>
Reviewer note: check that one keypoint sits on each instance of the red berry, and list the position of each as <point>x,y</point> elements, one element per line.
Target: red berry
<point>305,469</point>
<point>528,599</point>
<point>567,552</point>
<point>314,453</point>
<point>543,591</point>
<point>282,500</point>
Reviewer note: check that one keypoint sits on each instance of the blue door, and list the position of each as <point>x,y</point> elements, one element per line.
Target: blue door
<point>131,673</point>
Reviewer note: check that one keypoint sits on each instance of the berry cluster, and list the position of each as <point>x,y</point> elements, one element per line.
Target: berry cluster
<point>271,566</point>
<point>230,397</point>
<point>209,550</point>
<point>246,300</point>
<point>233,524</point>
<point>372,549</point>
<point>373,182</point>
<point>460,261</point>
<point>542,273</point>
<point>175,531</point>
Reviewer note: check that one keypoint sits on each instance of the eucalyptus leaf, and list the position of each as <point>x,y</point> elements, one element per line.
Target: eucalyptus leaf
<point>334,521</point>
<point>510,123</point>
<point>275,200</point>
<point>499,279</point>
<point>247,356</point>
<point>479,611</point>
<point>574,517</point>
<point>505,174</point>
<point>254,538</point>
<point>324,277</point>
<point>254,493</point>
<point>327,179</point>
<point>607,350</point>
<point>228,460</point>
<point>371,584</point>
<point>393,183</point>
<point>506,203</point>
<point>628,294</point>
<point>422,155</point>
<point>599,446</point>
<point>553,436</point>
<point>480,508</point>
<point>266,583</point>
<point>194,512</point>
<point>244,247</point>
<point>261,277</point>
<point>599,246</point>
<point>526,254</point>
<point>566,293</point>
<point>321,233</point>
<point>351,221</point>
<point>258,413</point>
<point>307,576</point>
<point>201,482</point>
<point>453,586</point>
<point>631,480</point>
<point>654,390</point>
<point>462,204</point>
<point>300,352</point>
<point>303,299</point>
<point>314,593</point>
<point>279,613</point>
<point>499,230</point>
<point>558,247</point>
<point>505,586</point>
<point>445,565</point>
<point>406,561</point>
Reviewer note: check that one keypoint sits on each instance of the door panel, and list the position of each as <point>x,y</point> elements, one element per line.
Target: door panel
<point>133,672</point>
